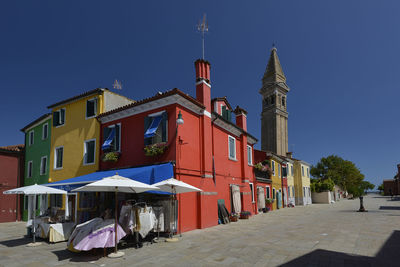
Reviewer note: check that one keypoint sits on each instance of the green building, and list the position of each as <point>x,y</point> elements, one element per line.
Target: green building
<point>37,157</point>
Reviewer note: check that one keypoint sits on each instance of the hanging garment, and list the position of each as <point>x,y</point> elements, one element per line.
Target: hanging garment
<point>159,223</point>
<point>147,220</point>
<point>260,198</point>
<point>127,218</point>
<point>237,204</point>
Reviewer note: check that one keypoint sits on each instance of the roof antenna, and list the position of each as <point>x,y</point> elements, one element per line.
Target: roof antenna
<point>203,27</point>
<point>117,85</point>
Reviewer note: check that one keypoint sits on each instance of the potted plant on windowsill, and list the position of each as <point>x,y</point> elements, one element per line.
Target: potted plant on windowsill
<point>233,217</point>
<point>155,149</point>
<point>268,203</point>
<point>111,156</point>
<point>245,214</point>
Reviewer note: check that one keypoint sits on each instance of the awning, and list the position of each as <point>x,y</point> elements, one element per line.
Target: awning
<point>151,131</point>
<point>110,138</point>
<point>147,174</point>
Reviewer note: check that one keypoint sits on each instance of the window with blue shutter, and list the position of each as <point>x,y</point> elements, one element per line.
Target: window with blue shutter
<point>156,128</point>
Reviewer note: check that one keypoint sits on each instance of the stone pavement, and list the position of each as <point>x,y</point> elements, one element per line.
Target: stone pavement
<point>315,235</point>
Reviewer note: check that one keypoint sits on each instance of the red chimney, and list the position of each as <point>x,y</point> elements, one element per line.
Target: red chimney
<point>203,87</point>
<point>241,117</point>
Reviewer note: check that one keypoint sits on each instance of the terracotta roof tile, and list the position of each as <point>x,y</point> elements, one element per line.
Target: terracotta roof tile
<point>157,96</point>
<point>91,92</point>
<point>15,148</point>
<point>35,121</point>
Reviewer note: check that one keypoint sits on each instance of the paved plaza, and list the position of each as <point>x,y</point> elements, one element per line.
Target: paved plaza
<point>316,235</point>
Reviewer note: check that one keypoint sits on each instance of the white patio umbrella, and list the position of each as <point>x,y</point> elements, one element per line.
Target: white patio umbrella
<point>116,184</point>
<point>33,190</point>
<point>175,187</point>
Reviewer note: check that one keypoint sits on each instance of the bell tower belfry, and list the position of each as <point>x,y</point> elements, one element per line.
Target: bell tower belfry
<point>274,115</point>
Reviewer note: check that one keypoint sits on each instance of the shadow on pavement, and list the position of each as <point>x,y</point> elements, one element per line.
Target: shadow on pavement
<point>17,242</point>
<point>83,256</point>
<point>387,256</point>
<point>389,208</point>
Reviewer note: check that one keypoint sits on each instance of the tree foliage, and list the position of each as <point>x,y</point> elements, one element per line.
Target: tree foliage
<point>343,173</point>
<point>380,188</point>
<point>321,185</point>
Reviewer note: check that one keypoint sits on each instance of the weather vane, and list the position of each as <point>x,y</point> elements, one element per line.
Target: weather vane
<point>117,85</point>
<point>203,27</point>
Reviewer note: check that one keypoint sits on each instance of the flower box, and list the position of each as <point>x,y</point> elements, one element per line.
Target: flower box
<point>233,218</point>
<point>111,156</point>
<point>155,149</point>
<point>245,215</point>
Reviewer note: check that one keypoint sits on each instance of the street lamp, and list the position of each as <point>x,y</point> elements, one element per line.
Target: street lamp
<point>179,121</point>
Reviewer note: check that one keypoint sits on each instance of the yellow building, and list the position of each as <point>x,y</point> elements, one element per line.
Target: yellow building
<point>75,132</point>
<point>302,182</point>
<point>276,177</point>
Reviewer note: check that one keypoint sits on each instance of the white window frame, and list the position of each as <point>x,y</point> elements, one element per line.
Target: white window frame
<point>229,147</point>
<point>273,167</point>
<point>249,156</point>
<point>253,200</point>
<point>95,108</point>
<point>84,152</point>
<point>41,165</point>
<point>31,137</point>
<point>119,135</point>
<point>59,117</point>
<point>47,131</point>
<point>29,171</point>
<point>55,158</point>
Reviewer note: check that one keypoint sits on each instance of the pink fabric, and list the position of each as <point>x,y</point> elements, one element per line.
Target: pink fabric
<point>101,238</point>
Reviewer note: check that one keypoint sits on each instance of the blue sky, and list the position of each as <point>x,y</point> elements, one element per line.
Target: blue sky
<point>341,59</point>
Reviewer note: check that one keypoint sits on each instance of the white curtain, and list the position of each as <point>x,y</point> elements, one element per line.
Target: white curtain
<point>237,204</point>
<point>260,198</point>
<point>43,204</point>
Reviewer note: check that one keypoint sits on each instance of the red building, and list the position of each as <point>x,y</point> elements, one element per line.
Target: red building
<point>209,150</point>
<point>11,176</point>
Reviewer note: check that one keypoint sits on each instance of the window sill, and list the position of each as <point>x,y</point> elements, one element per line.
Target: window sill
<point>57,169</point>
<point>94,116</point>
<point>88,164</point>
<point>58,126</point>
<point>233,159</point>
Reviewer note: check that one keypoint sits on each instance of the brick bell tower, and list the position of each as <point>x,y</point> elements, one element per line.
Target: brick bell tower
<point>274,115</point>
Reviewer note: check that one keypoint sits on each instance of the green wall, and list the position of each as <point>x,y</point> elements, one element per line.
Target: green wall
<point>34,153</point>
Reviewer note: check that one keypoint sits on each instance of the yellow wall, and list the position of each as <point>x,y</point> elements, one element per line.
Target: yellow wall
<point>301,180</point>
<point>290,179</point>
<point>72,135</point>
<point>276,180</point>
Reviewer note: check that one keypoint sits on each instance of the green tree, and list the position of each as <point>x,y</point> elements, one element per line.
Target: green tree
<point>321,185</point>
<point>380,188</point>
<point>342,172</point>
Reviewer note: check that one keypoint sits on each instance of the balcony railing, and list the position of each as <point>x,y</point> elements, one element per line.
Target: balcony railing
<point>262,176</point>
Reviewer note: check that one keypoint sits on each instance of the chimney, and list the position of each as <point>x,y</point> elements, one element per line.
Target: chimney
<point>203,87</point>
<point>289,154</point>
<point>241,117</point>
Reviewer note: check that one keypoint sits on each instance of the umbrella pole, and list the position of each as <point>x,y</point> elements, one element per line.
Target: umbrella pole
<point>115,225</point>
<point>116,254</point>
<point>33,221</point>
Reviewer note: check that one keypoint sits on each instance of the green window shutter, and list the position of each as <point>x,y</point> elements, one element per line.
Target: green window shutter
<point>229,113</point>
<point>56,118</point>
<point>224,112</point>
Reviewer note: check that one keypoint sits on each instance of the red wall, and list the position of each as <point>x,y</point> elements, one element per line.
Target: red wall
<point>191,149</point>
<point>9,179</point>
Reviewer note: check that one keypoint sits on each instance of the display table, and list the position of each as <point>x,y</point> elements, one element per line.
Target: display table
<point>60,231</point>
